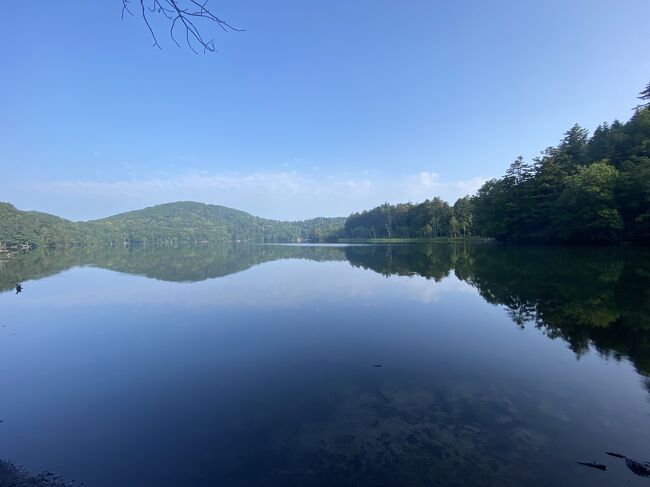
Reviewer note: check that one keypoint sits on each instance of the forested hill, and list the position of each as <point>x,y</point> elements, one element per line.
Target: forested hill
<point>36,228</point>
<point>198,222</point>
<point>180,222</point>
<point>587,189</point>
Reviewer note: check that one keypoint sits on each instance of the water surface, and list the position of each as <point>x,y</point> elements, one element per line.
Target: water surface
<point>326,365</point>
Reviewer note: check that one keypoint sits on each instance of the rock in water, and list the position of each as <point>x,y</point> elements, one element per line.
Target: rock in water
<point>638,468</point>
<point>598,466</point>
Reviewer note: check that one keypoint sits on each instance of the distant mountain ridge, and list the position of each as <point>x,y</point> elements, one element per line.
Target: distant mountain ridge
<point>169,223</point>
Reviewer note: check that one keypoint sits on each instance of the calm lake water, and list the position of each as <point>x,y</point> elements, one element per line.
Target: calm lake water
<point>327,365</point>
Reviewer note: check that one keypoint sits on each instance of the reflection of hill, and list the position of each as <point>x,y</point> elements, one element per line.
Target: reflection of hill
<point>585,296</point>
<point>183,264</point>
<point>20,267</point>
<point>200,263</point>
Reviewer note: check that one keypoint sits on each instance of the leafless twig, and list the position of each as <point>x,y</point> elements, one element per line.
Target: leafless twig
<point>181,13</point>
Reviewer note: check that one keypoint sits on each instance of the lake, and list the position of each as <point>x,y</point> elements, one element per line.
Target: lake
<point>408,364</point>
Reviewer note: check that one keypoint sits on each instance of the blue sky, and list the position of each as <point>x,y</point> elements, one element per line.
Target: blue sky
<point>318,108</point>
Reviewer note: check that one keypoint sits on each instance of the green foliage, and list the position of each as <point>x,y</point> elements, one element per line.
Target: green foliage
<point>586,210</point>
<point>588,190</point>
<point>633,196</point>
<point>645,96</point>
<point>573,149</point>
<point>430,219</point>
<point>34,228</point>
<point>172,223</point>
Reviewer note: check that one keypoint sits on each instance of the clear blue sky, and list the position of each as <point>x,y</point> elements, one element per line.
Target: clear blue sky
<point>319,108</point>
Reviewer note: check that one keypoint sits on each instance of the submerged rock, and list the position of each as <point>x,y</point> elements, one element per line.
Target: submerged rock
<point>598,466</point>
<point>637,467</point>
<point>13,476</point>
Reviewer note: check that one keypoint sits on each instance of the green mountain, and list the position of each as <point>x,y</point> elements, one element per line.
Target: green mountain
<point>36,228</point>
<point>171,223</point>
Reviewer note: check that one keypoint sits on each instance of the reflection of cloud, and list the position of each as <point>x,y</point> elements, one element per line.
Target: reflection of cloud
<point>278,284</point>
<point>418,288</point>
<point>285,194</point>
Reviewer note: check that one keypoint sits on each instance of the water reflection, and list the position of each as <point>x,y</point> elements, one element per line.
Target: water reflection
<point>184,264</point>
<point>269,377</point>
<point>585,296</point>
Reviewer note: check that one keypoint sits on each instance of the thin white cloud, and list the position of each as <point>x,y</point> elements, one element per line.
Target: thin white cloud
<point>427,184</point>
<point>285,194</point>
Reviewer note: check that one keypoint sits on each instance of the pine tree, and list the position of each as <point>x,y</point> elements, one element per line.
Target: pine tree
<point>645,96</point>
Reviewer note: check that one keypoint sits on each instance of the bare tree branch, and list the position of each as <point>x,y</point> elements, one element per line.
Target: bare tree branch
<point>185,14</point>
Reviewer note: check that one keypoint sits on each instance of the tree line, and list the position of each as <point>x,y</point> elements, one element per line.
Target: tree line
<point>587,189</point>
<point>431,219</point>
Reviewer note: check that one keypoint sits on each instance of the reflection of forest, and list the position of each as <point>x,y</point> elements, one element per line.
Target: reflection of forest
<point>597,296</point>
<point>583,295</point>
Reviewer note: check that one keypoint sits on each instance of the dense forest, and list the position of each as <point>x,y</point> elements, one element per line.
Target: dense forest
<point>172,223</point>
<point>431,219</point>
<point>586,189</point>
